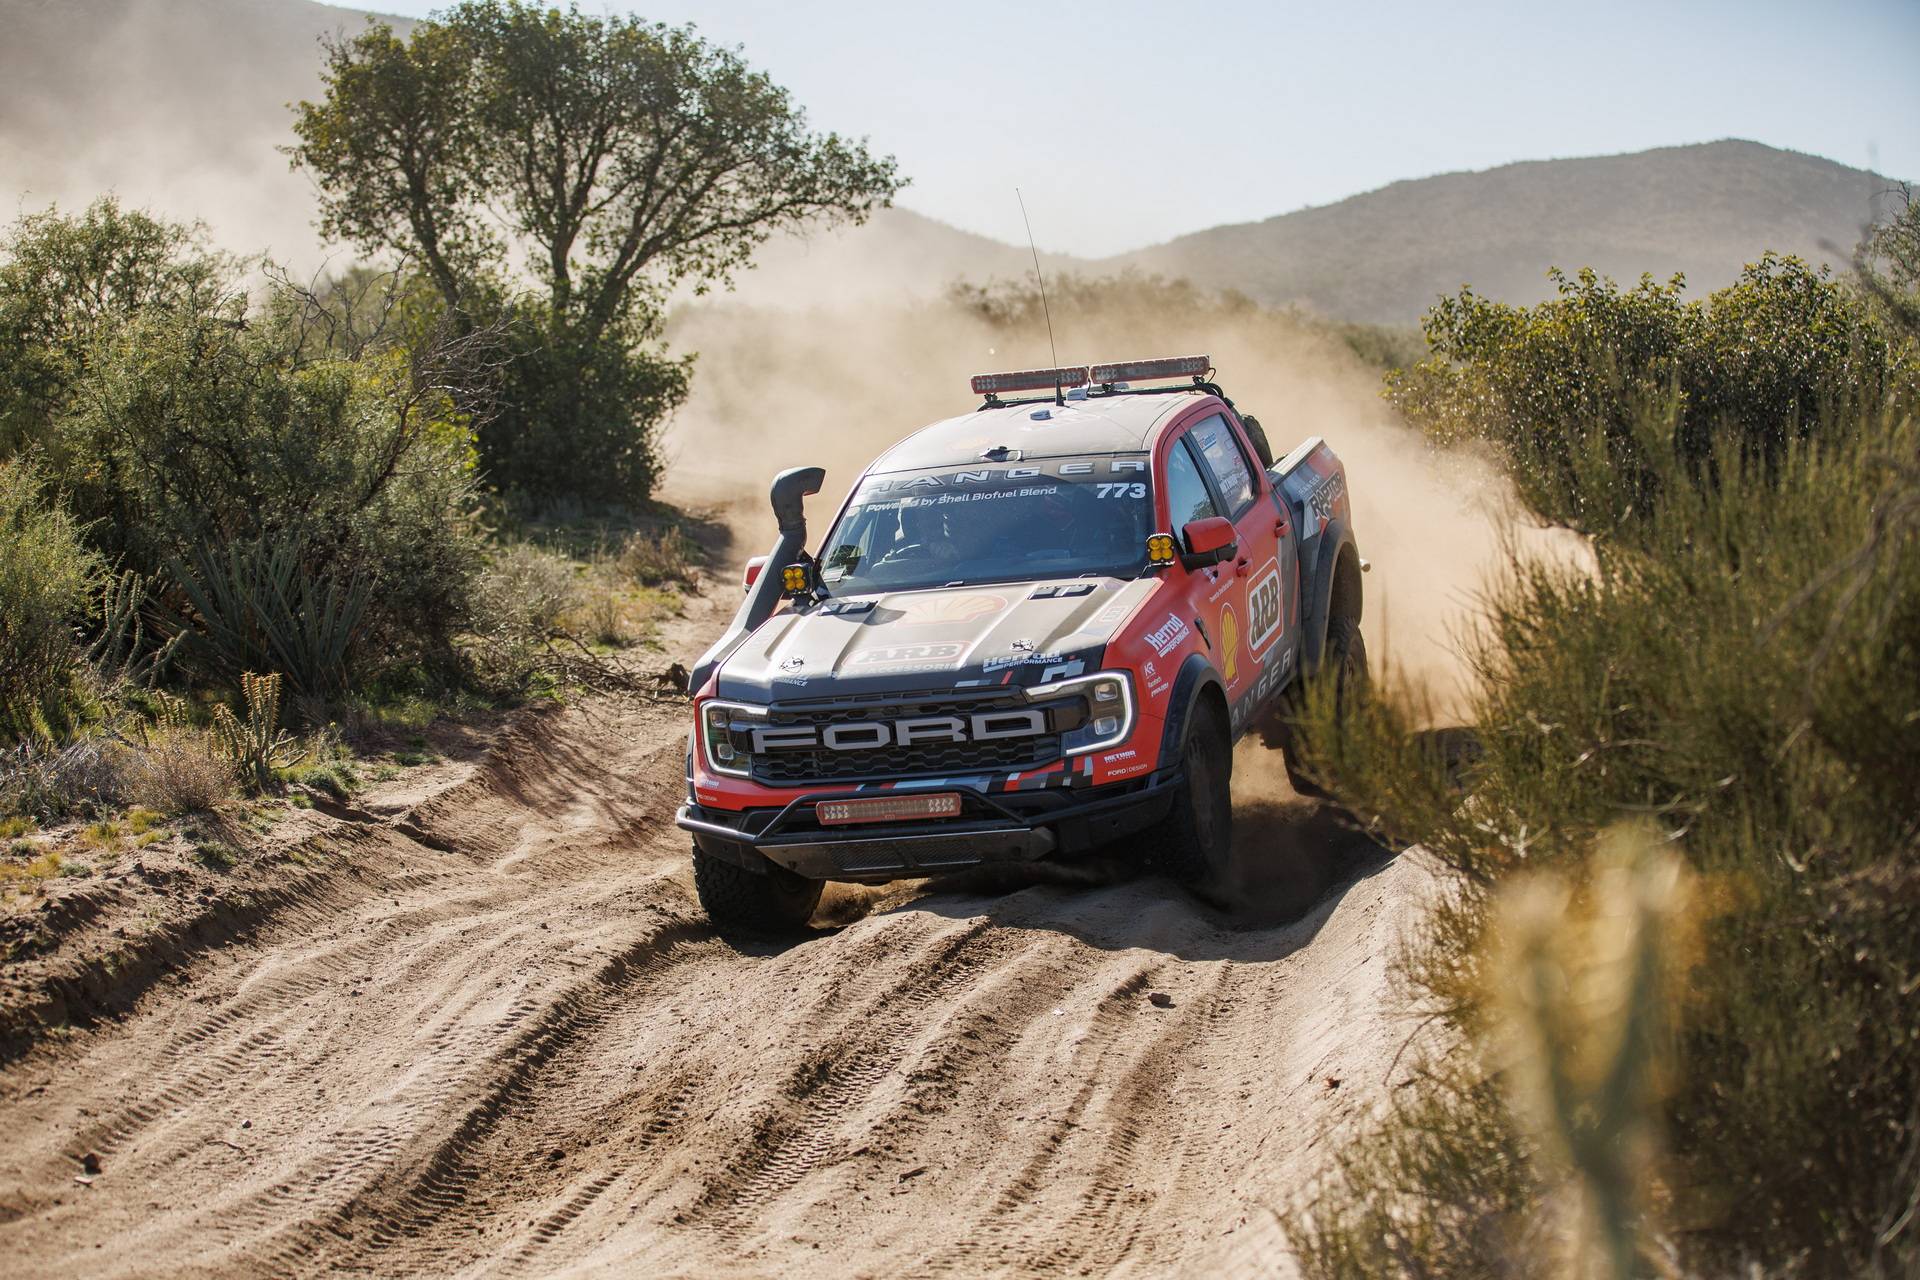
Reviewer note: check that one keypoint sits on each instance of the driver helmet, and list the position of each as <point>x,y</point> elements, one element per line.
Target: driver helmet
<point>921,525</point>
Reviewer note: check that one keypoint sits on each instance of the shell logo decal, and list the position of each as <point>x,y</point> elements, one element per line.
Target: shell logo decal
<point>1229,644</point>
<point>925,610</point>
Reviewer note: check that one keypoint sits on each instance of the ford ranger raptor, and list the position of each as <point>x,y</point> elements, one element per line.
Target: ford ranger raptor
<point>1031,630</point>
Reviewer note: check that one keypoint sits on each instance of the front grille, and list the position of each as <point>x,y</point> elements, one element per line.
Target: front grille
<point>799,766</point>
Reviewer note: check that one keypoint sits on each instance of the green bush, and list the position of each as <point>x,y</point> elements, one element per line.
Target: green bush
<point>1888,264</point>
<point>663,557</point>
<point>520,601</point>
<point>202,431</point>
<point>66,282</point>
<point>579,417</point>
<point>192,425</point>
<point>1740,665</point>
<point>48,578</point>
<point>1564,386</point>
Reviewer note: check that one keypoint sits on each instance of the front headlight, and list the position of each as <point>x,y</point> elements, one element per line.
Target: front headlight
<point>718,744</point>
<point>1109,699</point>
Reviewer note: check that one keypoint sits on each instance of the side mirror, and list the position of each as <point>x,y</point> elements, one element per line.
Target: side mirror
<point>1208,542</point>
<point>752,573</point>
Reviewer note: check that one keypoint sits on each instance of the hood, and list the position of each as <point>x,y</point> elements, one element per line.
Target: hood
<point>1015,633</point>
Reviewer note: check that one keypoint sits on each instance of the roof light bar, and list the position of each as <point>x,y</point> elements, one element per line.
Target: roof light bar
<point>1148,370</point>
<point>987,384</point>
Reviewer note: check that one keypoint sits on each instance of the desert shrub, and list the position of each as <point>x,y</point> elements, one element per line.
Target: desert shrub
<point>525,590</point>
<point>47,582</point>
<point>1739,665</point>
<point>182,410</point>
<point>520,601</point>
<point>91,774</point>
<point>197,436</point>
<point>599,614</point>
<point>577,417</point>
<point>1565,386</point>
<point>658,558</point>
<point>1888,263</point>
<point>180,769</point>
<point>68,281</point>
<point>198,423</point>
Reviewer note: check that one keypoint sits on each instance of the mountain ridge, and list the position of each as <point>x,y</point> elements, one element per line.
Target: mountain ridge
<point>136,107</point>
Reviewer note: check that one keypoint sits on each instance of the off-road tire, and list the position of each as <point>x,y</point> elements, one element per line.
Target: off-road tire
<point>1195,840</point>
<point>738,900</point>
<point>1344,663</point>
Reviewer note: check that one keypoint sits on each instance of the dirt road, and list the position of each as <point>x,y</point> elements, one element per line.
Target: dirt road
<point>486,1030</point>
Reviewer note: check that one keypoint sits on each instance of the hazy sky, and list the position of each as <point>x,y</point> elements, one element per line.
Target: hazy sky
<point>1126,123</point>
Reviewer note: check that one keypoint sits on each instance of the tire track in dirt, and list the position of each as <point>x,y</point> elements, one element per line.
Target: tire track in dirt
<point>415,1188</point>
<point>824,1087</point>
<point>490,1034</point>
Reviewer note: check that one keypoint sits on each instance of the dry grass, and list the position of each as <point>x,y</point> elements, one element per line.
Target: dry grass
<point>27,869</point>
<point>180,771</point>
<point>657,559</point>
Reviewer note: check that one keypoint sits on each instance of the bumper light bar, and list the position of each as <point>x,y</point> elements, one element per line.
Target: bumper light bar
<point>839,813</point>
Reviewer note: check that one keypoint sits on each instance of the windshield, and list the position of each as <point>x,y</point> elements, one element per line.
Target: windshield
<point>1039,518</point>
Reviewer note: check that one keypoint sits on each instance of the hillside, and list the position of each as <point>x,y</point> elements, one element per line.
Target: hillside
<point>1383,256</point>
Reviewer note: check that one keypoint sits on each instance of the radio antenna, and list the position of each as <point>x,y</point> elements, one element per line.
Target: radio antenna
<point>1059,396</point>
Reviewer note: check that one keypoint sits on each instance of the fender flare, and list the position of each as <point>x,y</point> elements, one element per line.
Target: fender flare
<point>1334,541</point>
<point>1196,675</point>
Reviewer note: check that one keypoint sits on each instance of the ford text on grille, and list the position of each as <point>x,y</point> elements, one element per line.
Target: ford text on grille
<point>865,735</point>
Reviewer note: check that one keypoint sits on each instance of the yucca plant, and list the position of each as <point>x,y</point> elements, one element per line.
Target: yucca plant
<point>257,607</point>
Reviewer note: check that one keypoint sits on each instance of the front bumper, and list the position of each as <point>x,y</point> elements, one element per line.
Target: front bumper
<point>996,827</point>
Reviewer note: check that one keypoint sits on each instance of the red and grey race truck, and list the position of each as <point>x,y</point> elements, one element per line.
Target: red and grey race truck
<point>1032,630</point>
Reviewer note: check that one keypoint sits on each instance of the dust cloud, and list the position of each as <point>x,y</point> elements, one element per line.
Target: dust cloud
<point>833,386</point>
<point>176,106</point>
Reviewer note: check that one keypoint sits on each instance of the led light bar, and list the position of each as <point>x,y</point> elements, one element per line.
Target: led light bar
<point>837,813</point>
<point>1148,370</point>
<point>987,384</point>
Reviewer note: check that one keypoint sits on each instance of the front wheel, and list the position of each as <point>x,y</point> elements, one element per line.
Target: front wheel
<point>1195,840</point>
<point>1345,664</point>
<point>774,901</point>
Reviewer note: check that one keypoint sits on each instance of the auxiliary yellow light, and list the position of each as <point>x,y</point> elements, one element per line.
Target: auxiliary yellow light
<point>794,576</point>
<point>1160,549</point>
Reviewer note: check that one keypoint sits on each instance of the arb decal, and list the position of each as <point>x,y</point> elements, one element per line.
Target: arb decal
<point>1263,607</point>
<point>905,653</point>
